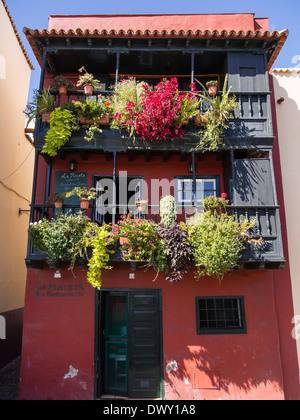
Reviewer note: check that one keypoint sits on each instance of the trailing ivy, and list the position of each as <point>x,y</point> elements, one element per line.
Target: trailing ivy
<point>99,242</point>
<point>62,124</point>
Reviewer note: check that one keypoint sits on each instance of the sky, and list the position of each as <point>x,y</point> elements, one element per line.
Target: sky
<point>282,14</point>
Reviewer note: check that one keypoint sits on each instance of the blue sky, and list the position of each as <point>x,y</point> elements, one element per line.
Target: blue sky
<point>282,14</point>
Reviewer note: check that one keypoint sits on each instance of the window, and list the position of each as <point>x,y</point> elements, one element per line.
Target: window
<point>205,187</point>
<point>220,315</point>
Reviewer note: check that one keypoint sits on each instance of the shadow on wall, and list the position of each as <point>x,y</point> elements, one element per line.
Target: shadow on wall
<point>203,370</point>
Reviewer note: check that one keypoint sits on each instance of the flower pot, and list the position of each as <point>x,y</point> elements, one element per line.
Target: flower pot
<point>62,90</point>
<point>46,117</point>
<point>124,240</point>
<point>142,205</point>
<point>104,120</point>
<point>88,90</point>
<point>58,204</point>
<point>84,203</point>
<point>201,119</point>
<point>212,90</point>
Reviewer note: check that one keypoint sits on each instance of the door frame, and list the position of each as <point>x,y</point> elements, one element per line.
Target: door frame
<point>99,344</point>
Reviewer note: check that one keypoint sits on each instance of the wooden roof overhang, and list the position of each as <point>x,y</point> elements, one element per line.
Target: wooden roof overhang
<point>112,41</point>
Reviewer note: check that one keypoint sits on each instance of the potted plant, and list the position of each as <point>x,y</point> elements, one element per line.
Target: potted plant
<point>63,237</point>
<point>94,111</point>
<point>41,106</point>
<point>85,195</point>
<point>215,204</point>
<point>142,240</point>
<point>126,102</point>
<point>212,87</point>
<point>217,241</point>
<point>218,113</point>
<point>88,81</point>
<point>62,84</point>
<point>57,199</point>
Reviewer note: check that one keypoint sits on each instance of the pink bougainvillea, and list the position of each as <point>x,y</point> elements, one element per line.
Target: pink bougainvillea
<point>161,111</point>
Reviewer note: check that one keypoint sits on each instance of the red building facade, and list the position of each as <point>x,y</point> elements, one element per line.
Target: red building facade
<point>141,336</point>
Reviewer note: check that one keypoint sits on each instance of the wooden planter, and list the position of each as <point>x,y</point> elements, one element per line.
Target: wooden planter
<point>104,120</point>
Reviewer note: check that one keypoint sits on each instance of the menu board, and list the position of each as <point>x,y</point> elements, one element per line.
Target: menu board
<point>66,181</point>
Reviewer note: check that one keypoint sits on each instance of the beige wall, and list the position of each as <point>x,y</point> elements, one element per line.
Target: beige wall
<point>16,166</point>
<point>287,86</point>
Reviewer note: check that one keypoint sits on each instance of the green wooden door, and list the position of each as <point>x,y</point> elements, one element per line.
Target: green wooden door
<point>132,343</point>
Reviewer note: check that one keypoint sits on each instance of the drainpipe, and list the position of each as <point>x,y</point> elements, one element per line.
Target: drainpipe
<point>194,180</point>
<point>114,198</point>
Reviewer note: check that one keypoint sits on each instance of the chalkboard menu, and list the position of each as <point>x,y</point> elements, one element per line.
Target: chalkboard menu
<point>66,181</point>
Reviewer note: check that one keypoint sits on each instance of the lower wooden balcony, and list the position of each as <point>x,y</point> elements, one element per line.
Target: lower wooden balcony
<point>268,255</point>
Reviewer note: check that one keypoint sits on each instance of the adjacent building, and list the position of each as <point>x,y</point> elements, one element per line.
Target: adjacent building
<point>16,170</point>
<point>141,336</point>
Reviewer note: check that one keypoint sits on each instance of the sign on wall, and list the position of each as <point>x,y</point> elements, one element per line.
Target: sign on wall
<point>66,181</point>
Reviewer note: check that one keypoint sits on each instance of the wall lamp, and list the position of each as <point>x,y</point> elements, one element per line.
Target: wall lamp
<point>73,165</point>
<point>190,167</point>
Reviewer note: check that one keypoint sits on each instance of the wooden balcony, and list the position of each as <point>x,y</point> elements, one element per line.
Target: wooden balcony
<point>250,127</point>
<point>269,255</point>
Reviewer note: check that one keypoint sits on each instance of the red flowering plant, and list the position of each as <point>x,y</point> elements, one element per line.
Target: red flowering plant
<point>165,111</point>
<point>215,204</point>
<point>159,113</point>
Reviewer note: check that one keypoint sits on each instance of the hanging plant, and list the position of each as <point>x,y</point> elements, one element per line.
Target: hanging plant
<point>217,241</point>
<point>216,118</point>
<point>62,124</point>
<point>179,253</point>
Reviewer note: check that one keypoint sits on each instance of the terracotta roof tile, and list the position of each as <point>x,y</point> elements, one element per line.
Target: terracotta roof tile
<point>224,34</point>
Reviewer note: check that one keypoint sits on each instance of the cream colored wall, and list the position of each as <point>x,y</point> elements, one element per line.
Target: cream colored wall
<point>287,86</point>
<point>16,167</point>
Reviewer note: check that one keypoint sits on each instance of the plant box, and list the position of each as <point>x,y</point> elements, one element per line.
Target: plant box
<point>104,120</point>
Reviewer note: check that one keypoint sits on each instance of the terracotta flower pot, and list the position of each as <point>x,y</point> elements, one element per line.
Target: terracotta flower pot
<point>201,119</point>
<point>124,240</point>
<point>46,117</point>
<point>62,90</point>
<point>58,204</point>
<point>84,203</point>
<point>88,90</point>
<point>142,205</point>
<point>212,90</point>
